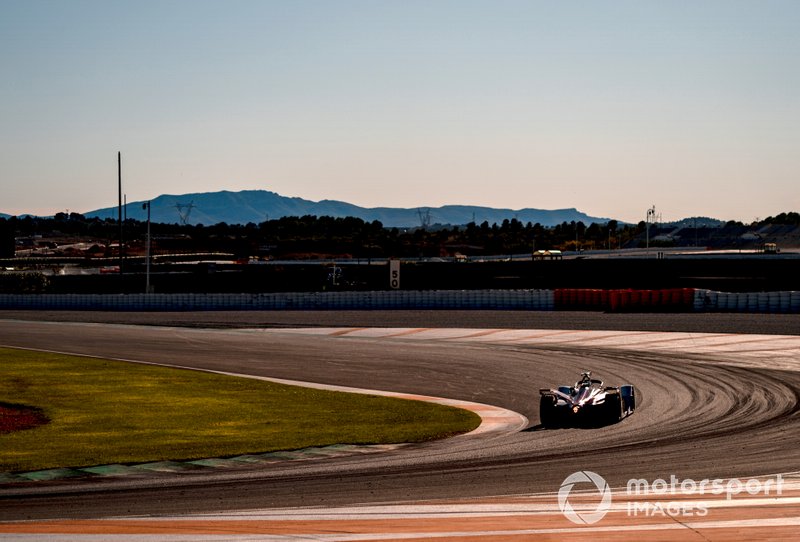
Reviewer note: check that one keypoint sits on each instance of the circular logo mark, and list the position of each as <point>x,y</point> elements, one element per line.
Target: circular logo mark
<point>584,517</point>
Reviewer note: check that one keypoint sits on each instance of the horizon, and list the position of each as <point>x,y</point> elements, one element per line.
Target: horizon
<point>608,108</point>
<point>599,220</point>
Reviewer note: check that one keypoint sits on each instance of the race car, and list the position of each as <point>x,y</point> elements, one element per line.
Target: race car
<point>588,402</point>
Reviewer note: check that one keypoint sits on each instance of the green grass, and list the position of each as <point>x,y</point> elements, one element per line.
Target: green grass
<point>105,412</point>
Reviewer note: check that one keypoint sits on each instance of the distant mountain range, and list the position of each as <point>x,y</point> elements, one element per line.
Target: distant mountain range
<point>257,206</point>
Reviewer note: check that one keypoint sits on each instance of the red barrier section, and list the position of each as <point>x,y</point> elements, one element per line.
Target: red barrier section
<point>624,300</point>
<point>558,298</point>
<point>595,302</point>
<point>688,297</point>
<point>655,298</point>
<point>613,300</point>
<point>666,300</point>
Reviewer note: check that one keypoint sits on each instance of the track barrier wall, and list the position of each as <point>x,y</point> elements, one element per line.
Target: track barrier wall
<point>567,299</point>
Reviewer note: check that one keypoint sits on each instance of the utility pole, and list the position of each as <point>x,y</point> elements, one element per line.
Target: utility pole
<point>119,209</point>
<point>147,248</point>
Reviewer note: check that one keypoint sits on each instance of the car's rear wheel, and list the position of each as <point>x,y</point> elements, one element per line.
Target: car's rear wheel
<point>613,410</point>
<point>548,414</point>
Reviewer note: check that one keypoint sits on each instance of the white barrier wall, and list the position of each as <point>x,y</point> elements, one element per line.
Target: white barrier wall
<point>394,299</point>
<point>767,302</point>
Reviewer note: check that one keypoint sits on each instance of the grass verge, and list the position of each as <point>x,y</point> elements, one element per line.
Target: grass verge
<point>104,412</point>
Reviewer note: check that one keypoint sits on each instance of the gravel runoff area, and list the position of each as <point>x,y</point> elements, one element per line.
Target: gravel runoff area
<point>768,324</point>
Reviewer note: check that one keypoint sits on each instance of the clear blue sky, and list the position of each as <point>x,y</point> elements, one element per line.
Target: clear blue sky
<point>607,106</point>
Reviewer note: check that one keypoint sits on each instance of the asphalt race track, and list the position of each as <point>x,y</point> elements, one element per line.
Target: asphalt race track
<point>715,405</point>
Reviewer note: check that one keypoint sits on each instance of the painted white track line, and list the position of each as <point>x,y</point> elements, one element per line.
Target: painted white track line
<point>495,421</point>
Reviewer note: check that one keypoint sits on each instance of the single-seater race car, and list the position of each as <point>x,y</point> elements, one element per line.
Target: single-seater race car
<point>588,402</point>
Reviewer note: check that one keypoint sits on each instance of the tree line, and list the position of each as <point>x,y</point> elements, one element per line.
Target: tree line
<point>306,236</point>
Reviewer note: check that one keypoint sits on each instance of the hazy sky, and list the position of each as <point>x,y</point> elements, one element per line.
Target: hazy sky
<point>607,106</point>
